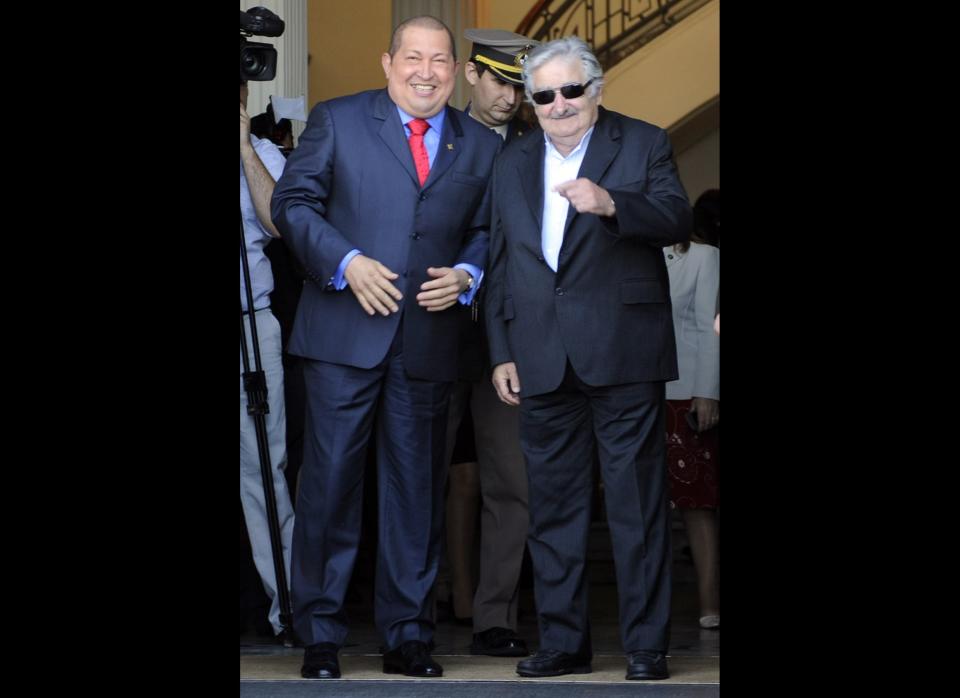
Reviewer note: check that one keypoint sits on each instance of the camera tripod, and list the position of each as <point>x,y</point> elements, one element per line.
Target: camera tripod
<point>255,385</point>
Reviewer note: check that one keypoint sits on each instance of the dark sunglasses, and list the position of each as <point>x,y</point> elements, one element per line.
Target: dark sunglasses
<point>568,92</point>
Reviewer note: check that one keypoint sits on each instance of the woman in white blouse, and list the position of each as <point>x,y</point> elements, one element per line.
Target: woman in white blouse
<point>693,403</point>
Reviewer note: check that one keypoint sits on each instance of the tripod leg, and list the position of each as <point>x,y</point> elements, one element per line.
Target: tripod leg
<point>251,479</point>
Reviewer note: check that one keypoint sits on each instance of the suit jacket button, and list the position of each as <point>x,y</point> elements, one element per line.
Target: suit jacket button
<point>423,197</point>
<point>559,291</point>
<point>416,236</point>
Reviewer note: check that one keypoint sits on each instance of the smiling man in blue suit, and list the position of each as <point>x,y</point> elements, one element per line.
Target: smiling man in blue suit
<point>385,203</point>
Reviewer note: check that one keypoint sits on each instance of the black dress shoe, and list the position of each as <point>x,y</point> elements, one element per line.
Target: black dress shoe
<point>411,658</point>
<point>644,664</point>
<point>498,642</point>
<point>320,661</point>
<point>554,663</point>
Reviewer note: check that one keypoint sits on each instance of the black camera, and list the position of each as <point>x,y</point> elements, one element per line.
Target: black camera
<point>258,61</point>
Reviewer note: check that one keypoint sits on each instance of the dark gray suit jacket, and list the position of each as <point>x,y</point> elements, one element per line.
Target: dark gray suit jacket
<point>607,308</point>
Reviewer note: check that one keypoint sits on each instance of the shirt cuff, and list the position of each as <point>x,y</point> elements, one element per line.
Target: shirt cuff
<point>337,280</point>
<point>466,298</point>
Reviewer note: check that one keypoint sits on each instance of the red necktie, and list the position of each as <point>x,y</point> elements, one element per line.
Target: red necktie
<point>420,158</point>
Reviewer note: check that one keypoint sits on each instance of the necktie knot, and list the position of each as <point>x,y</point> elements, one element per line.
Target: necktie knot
<point>418,127</point>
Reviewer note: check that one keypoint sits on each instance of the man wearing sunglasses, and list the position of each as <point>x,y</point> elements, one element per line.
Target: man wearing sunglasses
<point>581,338</point>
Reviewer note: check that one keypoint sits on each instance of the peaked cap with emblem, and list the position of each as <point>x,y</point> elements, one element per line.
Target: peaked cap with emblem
<point>503,53</point>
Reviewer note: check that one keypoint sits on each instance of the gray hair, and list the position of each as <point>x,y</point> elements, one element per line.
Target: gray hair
<point>571,47</point>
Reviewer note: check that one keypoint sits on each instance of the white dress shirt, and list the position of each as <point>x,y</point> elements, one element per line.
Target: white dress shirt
<point>556,170</point>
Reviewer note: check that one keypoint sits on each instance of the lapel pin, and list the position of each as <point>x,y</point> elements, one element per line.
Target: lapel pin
<point>449,146</point>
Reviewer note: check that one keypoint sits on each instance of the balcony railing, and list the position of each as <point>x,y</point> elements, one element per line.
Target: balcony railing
<point>613,28</point>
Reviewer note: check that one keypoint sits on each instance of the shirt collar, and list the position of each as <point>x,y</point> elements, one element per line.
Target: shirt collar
<point>584,142</point>
<point>435,121</point>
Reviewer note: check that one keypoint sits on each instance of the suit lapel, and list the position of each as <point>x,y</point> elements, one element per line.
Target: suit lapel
<point>448,150</point>
<point>530,172</point>
<point>392,133</point>
<point>603,148</point>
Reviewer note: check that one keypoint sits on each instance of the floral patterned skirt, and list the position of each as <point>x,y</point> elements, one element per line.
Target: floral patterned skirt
<point>692,460</point>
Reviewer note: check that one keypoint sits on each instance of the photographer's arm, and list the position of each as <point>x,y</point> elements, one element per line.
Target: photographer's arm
<point>299,205</point>
<point>259,180</point>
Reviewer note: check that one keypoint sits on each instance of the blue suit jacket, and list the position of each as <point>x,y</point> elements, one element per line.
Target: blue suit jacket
<point>351,183</point>
<point>607,307</point>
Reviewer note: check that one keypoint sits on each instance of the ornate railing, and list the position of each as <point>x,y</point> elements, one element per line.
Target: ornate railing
<point>613,28</point>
